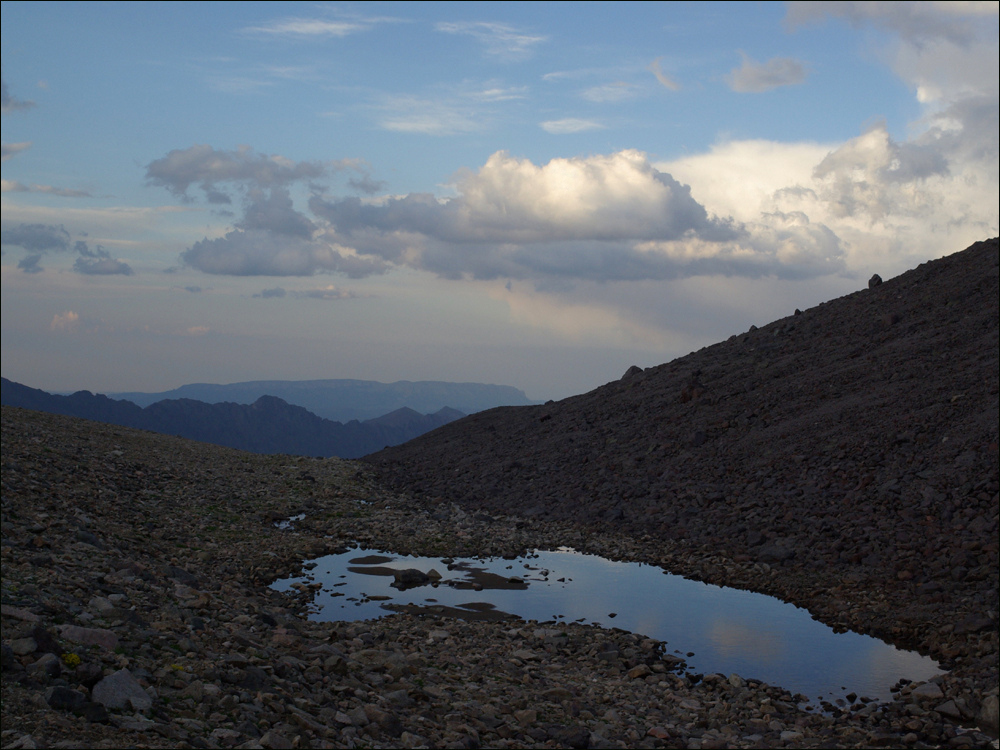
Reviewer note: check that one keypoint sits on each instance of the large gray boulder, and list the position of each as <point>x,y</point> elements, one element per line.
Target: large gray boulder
<point>121,690</point>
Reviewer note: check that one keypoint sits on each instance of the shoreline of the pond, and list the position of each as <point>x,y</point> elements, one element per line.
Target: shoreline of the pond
<point>709,567</point>
<point>842,602</point>
<point>872,668</point>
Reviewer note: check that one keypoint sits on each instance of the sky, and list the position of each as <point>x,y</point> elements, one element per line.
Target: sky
<point>530,194</point>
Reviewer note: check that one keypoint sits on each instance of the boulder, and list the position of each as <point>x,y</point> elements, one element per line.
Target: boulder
<point>409,578</point>
<point>121,690</point>
<point>989,715</point>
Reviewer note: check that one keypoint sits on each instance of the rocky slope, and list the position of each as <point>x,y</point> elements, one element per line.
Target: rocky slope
<point>136,613</point>
<point>851,448</point>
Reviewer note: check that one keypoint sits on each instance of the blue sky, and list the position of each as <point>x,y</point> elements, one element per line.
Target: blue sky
<point>538,195</point>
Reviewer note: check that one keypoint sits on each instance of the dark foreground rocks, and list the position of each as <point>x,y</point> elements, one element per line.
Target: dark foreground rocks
<point>136,613</point>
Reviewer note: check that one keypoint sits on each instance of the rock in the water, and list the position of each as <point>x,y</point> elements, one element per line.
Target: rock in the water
<point>409,578</point>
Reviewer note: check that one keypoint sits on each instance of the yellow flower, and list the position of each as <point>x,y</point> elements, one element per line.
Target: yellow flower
<point>71,660</point>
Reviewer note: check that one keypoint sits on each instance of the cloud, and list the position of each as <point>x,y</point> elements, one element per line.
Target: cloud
<point>211,170</point>
<point>66,321</point>
<point>98,262</point>
<point>569,125</point>
<point>919,22</point>
<point>603,218</point>
<point>495,93</point>
<point>197,330</point>
<point>261,252</point>
<point>667,82</point>
<point>272,211</point>
<point>271,238</point>
<point>865,174</point>
<point>10,104</point>
<point>272,293</point>
<point>7,150</point>
<point>366,184</point>
<point>753,77</point>
<point>31,263</point>
<point>329,292</point>
<point>499,39</point>
<point>307,28</point>
<point>891,203</point>
<point>609,92</point>
<point>945,51</point>
<point>37,238</point>
<point>10,186</point>
<point>440,117</point>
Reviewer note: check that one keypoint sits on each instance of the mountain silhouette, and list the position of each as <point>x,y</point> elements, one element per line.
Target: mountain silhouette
<point>268,425</point>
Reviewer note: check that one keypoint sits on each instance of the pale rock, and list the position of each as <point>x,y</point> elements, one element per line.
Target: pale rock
<point>23,646</point>
<point>90,636</point>
<point>927,691</point>
<point>121,690</point>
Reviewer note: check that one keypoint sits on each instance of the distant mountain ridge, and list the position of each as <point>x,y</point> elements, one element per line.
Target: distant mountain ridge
<point>268,425</point>
<point>343,400</point>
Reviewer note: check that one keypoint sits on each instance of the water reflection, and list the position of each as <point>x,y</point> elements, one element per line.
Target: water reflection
<point>756,636</point>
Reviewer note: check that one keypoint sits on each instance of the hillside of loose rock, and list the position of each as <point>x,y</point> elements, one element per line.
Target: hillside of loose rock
<point>136,613</point>
<point>851,449</point>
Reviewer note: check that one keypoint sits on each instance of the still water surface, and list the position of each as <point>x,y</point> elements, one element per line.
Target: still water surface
<point>715,629</point>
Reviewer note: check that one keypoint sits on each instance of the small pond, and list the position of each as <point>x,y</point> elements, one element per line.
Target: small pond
<point>715,629</point>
